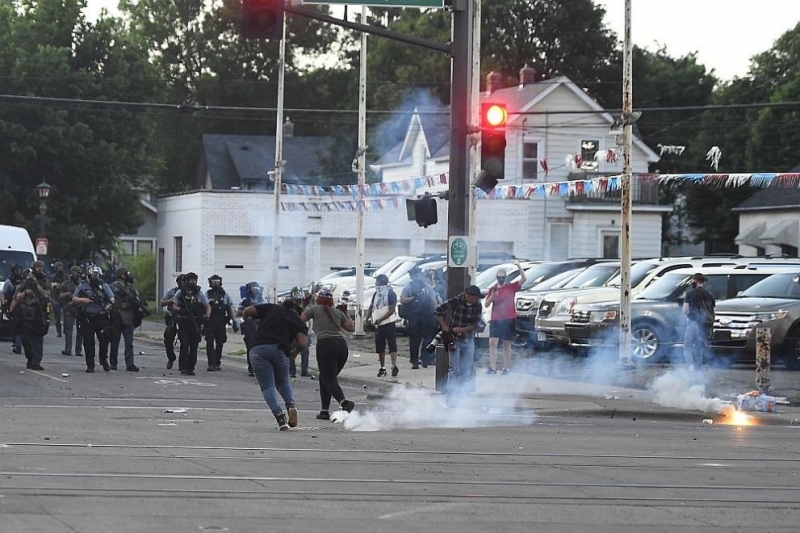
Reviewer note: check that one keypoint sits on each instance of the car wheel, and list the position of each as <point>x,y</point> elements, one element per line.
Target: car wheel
<point>645,342</point>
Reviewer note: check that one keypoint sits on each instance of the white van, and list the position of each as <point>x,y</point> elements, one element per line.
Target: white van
<point>16,247</point>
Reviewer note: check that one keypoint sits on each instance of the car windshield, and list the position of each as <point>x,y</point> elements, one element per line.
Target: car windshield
<point>10,257</point>
<point>594,276</point>
<point>539,273</point>
<point>388,266</point>
<point>558,281</point>
<point>638,272</point>
<point>775,286</point>
<point>665,286</point>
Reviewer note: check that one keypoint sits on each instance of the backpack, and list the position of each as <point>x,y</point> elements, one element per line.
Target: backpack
<point>416,307</point>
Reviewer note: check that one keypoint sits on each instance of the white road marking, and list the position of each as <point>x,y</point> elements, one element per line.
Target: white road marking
<point>418,510</point>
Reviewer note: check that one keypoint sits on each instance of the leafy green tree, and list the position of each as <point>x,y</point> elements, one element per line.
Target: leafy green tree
<point>92,157</point>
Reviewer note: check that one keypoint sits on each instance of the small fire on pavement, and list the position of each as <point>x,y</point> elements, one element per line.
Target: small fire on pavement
<point>734,417</point>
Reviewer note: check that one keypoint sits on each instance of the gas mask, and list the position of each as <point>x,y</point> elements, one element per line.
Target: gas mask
<point>191,285</point>
<point>95,281</point>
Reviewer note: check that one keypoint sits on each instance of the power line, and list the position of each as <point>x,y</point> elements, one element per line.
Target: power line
<point>193,108</point>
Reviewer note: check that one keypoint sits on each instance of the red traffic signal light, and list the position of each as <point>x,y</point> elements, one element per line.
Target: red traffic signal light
<point>493,140</point>
<point>262,19</point>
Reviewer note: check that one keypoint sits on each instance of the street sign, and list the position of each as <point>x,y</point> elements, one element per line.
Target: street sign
<point>41,246</point>
<point>381,3</point>
<point>458,252</point>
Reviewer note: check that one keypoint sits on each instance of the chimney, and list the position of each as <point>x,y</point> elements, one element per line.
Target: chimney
<point>288,128</point>
<point>494,81</point>
<point>527,75</point>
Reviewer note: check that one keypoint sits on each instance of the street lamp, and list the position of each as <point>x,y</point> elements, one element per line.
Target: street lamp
<point>44,191</point>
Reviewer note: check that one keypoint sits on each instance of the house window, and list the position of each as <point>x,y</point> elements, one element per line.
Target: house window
<point>178,254</point>
<point>530,160</point>
<point>788,251</point>
<point>610,244</point>
<point>589,150</point>
<point>144,247</point>
<point>127,246</point>
<point>559,242</point>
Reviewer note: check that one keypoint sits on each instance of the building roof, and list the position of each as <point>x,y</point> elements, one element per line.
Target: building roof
<point>239,160</point>
<point>771,198</point>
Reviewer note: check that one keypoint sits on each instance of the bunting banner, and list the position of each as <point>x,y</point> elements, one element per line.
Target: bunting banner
<point>405,187</point>
<point>599,185</point>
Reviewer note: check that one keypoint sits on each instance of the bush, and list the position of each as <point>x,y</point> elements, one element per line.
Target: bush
<point>143,268</point>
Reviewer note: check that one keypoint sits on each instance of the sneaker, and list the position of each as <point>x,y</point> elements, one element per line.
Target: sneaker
<point>324,415</point>
<point>251,374</point>
<point>490,370</point>
<point>132,368</point>
<point>293,417</point>
<point>506,371</point>
<point>414,367</point>
<point>348,405</point>
<point>293,376</point>
<point>64,352</point>
<point>105,366</point>
<point>16,350</point>
<point>282,423</point>
<point>170,362</point>
<point>395,371</point>
<point>381,372</point>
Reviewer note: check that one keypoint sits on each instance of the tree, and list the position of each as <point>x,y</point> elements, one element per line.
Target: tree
<point>92,157</point>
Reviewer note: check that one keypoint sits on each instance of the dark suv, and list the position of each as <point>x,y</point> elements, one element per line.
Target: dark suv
<point>773,303</point>
<point>657,321</point>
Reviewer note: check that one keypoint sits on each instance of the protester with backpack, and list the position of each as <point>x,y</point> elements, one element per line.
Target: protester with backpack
<point>381,312</point>
<point>417,305</point>
<point>31,311</point>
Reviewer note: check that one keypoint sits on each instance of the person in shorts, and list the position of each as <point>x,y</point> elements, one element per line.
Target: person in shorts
<point>384,302</point>
<point>501,325</point>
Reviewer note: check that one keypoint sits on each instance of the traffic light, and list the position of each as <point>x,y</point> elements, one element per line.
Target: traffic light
<point>262,19</point>
<point>423,211</point>
<point>493,142</point>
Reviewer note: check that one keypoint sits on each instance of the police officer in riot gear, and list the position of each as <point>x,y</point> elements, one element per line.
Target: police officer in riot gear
<point>126,304</point>
<point>170,322</point>
<point>221,314</point>
<point>191,305</point>
<point>96,301</point>
<point>31,311</point>
<point>71,311</point>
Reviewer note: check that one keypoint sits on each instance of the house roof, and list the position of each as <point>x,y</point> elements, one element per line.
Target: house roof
<point>771,198</point>
<point>436,127</point>
<point>233,160</point>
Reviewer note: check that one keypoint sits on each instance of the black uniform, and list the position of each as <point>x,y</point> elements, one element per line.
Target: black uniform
<point>215,330</point>
<point>94,319</point>
<point>191,320</point>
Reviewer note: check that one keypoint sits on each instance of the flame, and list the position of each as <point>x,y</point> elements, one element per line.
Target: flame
<point>737,418</point>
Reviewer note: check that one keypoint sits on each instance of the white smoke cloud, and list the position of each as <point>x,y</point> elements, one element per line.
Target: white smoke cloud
<point>414,408</point>
<point>684,390</point>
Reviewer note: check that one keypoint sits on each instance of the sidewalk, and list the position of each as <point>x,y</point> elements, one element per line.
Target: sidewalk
<point>546,395</point>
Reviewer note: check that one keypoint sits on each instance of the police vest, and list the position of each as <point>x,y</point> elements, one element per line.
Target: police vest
<point>190,305</point>
<point>219,311</point>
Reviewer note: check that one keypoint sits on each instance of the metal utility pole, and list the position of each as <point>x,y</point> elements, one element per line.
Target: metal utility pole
<point>361,162</point>
<point>625,187</point>
<point>475,104</point>
<point>460,116</point>
<point>276,220</point>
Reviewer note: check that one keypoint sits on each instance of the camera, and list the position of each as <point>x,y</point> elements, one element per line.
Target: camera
<point>441,338</point>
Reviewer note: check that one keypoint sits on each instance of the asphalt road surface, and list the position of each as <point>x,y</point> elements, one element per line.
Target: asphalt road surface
<point>157,451</point>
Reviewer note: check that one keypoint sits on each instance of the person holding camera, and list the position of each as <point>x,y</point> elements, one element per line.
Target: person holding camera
<point>95,300</point>
<point>504,315</point>
<point>193,311</point>
<point>698,306</point>
<point>459,318</point>
<point>30,309</point>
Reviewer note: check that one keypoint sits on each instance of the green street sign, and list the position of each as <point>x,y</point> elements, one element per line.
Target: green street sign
<point>458,252</point>
<point>381,3</point>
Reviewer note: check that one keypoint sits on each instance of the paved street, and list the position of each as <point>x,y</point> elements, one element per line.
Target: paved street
<point>157,451</point>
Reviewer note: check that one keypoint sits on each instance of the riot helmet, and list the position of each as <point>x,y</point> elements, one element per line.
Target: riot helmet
<point>15,273</point>
<point>190,278</point>
<point>38,269</point>
<point>95,274</point>
<point>255,292</point>
<point>180,280</point>
<point>122,272</point>
<point>215,281</point>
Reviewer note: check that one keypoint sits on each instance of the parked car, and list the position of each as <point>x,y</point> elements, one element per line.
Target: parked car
<point>773,303</point>
<point>527,303</point>
<point>657,320</point>
<point>555,309</point>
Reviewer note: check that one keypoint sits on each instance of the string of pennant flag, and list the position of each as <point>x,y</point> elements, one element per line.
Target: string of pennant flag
<point>382,196</point>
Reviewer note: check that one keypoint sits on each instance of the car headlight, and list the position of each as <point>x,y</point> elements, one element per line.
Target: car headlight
<point>565,306</point>
<point>602,316</point>
<point>776,315</point>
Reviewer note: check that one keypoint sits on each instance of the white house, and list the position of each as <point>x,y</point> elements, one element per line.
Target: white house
<point>226,227</point>
<point>768,223</point>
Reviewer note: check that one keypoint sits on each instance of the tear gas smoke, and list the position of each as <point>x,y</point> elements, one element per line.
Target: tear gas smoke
<point>684,390</point>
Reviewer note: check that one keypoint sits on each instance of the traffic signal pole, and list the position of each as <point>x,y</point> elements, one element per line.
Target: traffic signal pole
<point>458,213</point>
<point>278,172</point>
